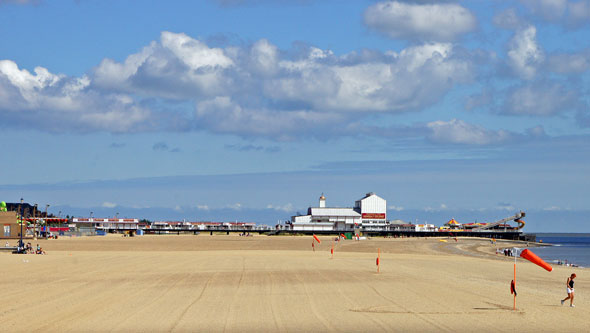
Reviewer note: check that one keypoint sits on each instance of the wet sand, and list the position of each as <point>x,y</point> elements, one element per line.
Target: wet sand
<point>261,283</point>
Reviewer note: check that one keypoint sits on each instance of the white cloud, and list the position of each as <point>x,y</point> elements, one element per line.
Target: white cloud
<point>285,208</point>
<point>430,22</point>
<point>458,131</point>
<point>579,13</point>
<point>202,207</point>
<point>54,102</point>
<point>107,204</point>
<point>552,208</point>
<point>396,208</point>
<point>540,99</point>
<point>569,63</point>
<point>508,19</point>
<point>569,13</point>
<point>236,206</point>
<point>536,132</point>
<point>195,54</point>
<point>524,54</point>
<point>505,206</point>
<point>549,9</point>
<point>264,58</point>
<point>177,67</point>
<point>436,209</point>
<point>411,79</point>
<point>254,91</point>
<point>222,115</point>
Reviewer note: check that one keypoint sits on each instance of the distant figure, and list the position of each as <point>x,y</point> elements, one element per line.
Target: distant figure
<point>7,245</point>
<point>570,290</point>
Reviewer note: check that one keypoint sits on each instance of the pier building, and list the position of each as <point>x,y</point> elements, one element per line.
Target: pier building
<point>369,212</point>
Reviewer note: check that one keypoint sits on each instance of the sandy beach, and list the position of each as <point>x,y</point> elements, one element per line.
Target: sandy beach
<point>230,283</point>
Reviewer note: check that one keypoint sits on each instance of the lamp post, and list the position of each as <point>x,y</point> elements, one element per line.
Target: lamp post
<point>20,244</point>
<point>35,222</point>
<point>46,222</point>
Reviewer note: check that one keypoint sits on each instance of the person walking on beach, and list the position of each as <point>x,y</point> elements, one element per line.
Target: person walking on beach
<point>570,290</point>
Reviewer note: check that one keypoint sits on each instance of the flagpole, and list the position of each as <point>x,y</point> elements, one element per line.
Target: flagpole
<point>514,306</point>
<point>515,254</point>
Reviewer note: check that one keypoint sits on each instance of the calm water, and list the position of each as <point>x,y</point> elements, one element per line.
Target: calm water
<point>575,248</point>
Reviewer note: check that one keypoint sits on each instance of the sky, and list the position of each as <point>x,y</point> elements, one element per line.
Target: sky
<point>251,109</point>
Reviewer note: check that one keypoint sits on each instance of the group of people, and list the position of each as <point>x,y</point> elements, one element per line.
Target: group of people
<point>509,252</point>
<point>38,250</point>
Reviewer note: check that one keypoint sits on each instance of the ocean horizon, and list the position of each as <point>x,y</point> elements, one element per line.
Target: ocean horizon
<point>573,248</point>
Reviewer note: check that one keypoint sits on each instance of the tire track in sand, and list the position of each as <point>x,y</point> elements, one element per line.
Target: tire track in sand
<point>193,302</point>
<point>235,294</point>
<point>318,314</point>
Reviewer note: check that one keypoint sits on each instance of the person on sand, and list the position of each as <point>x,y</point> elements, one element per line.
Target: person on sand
<point>570,290</point>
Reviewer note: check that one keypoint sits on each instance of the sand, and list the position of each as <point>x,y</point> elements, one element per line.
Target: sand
<point>230,283</point>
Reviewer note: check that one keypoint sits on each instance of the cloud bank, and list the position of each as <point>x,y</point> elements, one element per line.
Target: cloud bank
<point>255,90</point>
<point>426,22</point>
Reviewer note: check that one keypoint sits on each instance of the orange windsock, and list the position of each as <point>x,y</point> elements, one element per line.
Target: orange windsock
<point>342,235</point>
<point>317,239</point>
<point>530,256</point>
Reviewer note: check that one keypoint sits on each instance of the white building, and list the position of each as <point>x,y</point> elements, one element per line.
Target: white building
<point>105,224</point>
<point>368,213</point>
<point>185,225</point>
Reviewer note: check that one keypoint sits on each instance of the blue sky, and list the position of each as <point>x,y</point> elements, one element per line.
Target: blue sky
<point>250,109</point>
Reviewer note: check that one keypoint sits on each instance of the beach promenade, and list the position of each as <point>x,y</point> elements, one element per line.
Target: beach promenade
<point>230,283</point>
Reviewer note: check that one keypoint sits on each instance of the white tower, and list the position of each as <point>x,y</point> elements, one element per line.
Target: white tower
<point>322,201</point>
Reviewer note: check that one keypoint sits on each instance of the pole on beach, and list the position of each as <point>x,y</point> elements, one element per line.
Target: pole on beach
<point>332,252</point>
<point>514,284</point>
<point>313,245</point>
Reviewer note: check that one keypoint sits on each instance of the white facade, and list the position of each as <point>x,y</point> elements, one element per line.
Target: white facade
<point>105,224</point>
<point>373,209</point>
<point>425,227</point>
<point>370,211</point>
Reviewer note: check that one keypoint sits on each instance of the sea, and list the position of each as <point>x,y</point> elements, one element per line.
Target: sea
<point>575,248</point>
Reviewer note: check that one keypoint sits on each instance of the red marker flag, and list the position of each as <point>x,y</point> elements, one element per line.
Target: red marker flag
<point>530,256</point>
<point>513,287</point>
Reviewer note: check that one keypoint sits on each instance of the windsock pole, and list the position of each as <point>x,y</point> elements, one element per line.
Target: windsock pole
<point>332,251</point>
<point>313,245</point>
<point>514,306</point>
